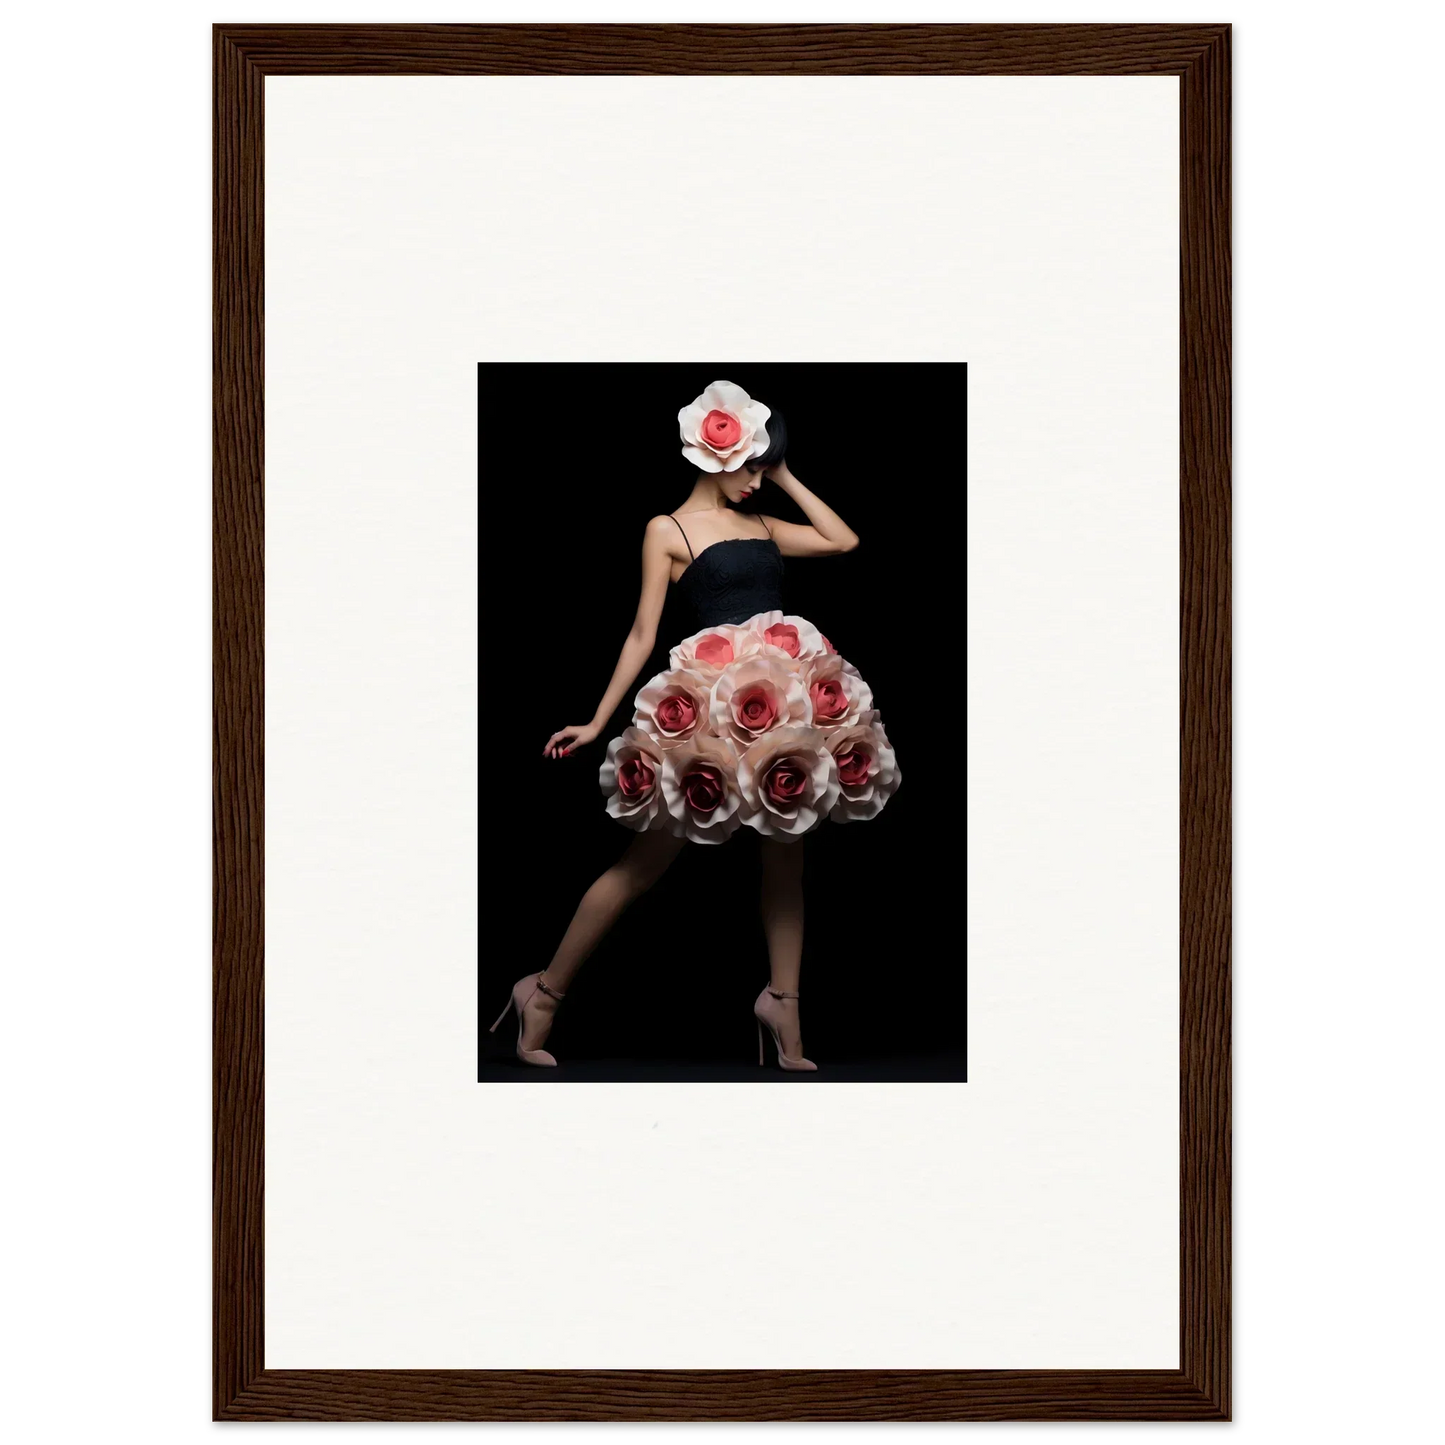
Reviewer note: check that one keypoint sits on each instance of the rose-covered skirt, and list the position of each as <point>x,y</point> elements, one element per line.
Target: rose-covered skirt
<point>760,725</point>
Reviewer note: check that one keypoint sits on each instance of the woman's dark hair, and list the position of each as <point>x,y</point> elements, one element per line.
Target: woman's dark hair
<point>777,444</point>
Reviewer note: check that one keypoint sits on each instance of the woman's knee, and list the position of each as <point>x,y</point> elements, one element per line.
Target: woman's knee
<point>645,862</point>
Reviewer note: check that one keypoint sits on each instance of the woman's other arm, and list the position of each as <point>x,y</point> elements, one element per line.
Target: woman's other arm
<point>658,550</point>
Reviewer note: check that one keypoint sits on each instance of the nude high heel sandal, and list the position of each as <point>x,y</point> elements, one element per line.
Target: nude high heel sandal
<point>768,1014</point>
<point>523,991</point>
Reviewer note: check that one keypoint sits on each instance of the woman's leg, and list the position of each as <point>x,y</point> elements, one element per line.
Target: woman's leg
<point>645,861</point>
<point>782,902</point>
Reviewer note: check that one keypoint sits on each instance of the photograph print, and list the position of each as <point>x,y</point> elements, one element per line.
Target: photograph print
<point>727,839</point>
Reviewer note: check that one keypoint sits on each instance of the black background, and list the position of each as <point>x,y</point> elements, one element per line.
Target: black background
<point>573,461</point>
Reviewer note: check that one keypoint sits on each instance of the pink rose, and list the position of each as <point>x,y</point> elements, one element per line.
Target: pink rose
<point>756,694</point>
<point>837,691</point>
<point>788,781</point>
<point>723,428</point>
<point>676,713</point>
<point>707,653</point>
<point>757,709</point>
<point>867,769</point>
<point>704,788</point>
<point>783,635</point>
<point>715,650</point>
<point>828,646</point>
<point>635,779</point>
<point>700,790</point>
<point>720,430</point>
<point>672,706</point>
<point>792,637</point>
<point>630,778</point>
<point>830,702</point>
<point>853,765</point>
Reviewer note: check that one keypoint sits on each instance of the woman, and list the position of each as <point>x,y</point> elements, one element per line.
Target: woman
<point>756,722</point>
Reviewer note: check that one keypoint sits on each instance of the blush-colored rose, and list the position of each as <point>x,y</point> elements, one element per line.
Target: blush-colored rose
<point>836,690</point>
<point>720,430</point>
<point>785,781</point>
<point>828,646</point>
<point>704,789</point>
<point>868,773</point>
<point>783,635</point>
<point>708,652</point>
<point>676,713</point>
<point>631,776</point>
<point>699,786</point>
<point>788,780</point>
<point>714,649</point>
<point>672,706</point>
<point>723,428</point>
<point>755,695</point>
<point>829,700</point>
<point>756,709</point>
<point>793,637</point>
<point>635,778</point>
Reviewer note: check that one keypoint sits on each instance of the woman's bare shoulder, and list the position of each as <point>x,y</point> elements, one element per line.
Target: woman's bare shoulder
<point>662,528</point>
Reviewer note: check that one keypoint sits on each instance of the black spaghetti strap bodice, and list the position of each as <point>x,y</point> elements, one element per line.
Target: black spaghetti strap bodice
<point>734,580</point>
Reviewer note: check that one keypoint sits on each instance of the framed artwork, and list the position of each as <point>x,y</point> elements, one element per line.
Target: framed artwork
<point>721,580</point>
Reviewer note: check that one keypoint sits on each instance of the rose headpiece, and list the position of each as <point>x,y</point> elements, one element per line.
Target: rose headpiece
<point>723,428</point>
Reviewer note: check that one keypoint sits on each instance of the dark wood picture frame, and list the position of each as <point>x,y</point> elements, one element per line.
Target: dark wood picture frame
<point>1200,56</point>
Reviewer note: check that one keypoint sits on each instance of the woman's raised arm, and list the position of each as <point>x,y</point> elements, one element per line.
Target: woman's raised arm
<point>827,533</point>
<point>658,550</point>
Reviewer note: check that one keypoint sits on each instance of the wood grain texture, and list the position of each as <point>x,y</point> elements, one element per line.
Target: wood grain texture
<point>1204,722</point>
<point>238,767</point>
<point>722,49</point>
<point>722,1395</point>
<point>1200,1389</point>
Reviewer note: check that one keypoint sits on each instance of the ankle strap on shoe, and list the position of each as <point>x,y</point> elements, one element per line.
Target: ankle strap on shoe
<point>550,992</point>
<point>778,993</point>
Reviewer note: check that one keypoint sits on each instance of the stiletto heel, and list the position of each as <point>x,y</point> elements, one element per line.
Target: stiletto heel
<point>523,991</point>
<point>763,1011</point>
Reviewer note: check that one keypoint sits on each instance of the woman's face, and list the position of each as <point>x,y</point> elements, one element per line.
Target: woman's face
<point>739,485</point>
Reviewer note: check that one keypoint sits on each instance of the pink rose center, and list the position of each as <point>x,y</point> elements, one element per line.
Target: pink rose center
<point>756,709</point>
<point>635,779</point>
<point>721,430</point>
<point>703,788</point>
<point>714,650</point>
<point>829,699</point>
<point>784,635</point>
<point>786,781</point>
<point>853,767</point>
<point>676,713</point>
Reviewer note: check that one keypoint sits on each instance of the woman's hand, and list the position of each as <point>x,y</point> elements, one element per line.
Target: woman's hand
<point>779,473</point>
<point>568,740</point>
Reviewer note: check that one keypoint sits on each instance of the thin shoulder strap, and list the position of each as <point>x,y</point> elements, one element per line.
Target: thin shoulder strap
<point>690,552</point>
<point>764,521</point>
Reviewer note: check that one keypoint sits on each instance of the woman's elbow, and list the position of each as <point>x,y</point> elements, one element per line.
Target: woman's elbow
<point>849,543</point>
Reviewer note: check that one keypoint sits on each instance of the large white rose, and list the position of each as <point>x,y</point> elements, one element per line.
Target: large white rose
<point>708,652</point>
<point>723,428</point>
<point>868,772</point>
<point>700,790</point>
<point>756,695</point>
<point>631,777</point>
<point>673,706</point>
<point>788,781</point>
<point>793,637</point>
<point>836,690</point>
